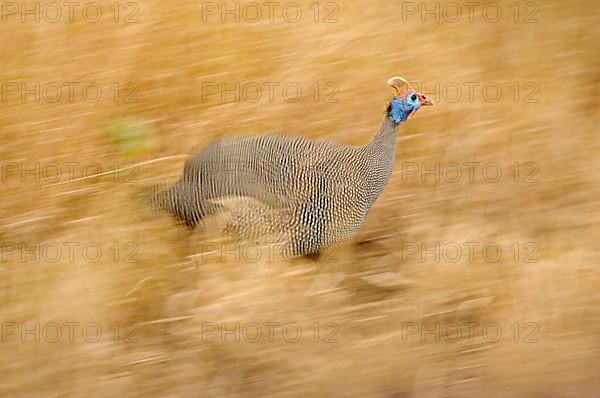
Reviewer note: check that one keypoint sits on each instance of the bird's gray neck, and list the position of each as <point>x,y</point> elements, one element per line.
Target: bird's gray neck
<point>379,155</point>
<point>384,140</point>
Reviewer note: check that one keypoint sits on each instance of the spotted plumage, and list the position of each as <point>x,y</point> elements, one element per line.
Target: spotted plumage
<point>306,195</point>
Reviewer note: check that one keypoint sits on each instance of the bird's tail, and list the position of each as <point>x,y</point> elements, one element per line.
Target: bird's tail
<point>177,200</point>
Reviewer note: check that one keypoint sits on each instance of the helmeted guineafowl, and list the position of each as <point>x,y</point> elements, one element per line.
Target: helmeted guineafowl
<point>308,195</point>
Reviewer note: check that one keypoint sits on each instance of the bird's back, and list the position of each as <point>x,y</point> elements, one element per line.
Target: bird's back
<point>276,169</point>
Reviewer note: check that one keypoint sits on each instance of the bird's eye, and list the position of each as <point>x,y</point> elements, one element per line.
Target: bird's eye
<point>413,97</point>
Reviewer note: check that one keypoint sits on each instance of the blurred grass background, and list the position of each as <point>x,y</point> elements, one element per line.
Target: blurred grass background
<point>169,293</point>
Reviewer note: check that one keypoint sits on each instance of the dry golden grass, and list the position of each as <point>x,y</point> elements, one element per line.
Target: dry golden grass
<point>171,293</point>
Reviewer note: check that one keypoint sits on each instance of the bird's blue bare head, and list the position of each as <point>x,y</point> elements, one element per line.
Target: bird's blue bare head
<point>401,108</point>
<point>406,102</point>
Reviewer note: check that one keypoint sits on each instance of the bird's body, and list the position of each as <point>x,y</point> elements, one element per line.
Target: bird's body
<point>308,195</point>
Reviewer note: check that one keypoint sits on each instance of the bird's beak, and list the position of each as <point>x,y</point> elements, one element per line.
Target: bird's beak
<point>425,100</point>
